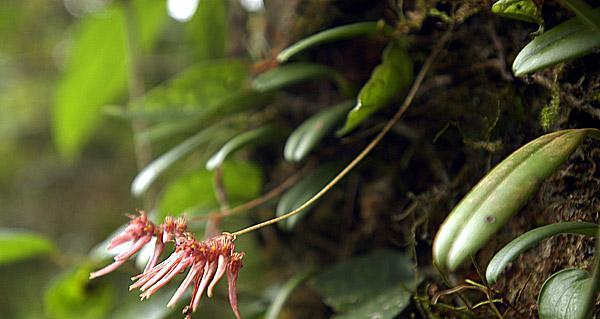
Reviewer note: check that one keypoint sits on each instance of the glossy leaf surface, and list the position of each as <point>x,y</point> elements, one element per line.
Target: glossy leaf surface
<point>308,135</point>
<point>256,136</point>
<point>560,296</point>
<point>568,40</point>
<point>529,239</point>
<point>500,194</point>
<point>387,81</point>
<point>334,34</point>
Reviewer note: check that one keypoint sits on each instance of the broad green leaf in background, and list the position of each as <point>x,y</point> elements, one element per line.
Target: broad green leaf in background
<point>306,136</point>
<point>96,71</point>
<point>379,283</point>
<point>334,34</point>
<point>502,193</point>
<point>16,245</point>
<point>199,87</point>
<point>71,295</point>
<point>148,174</point>
<point>207,31</point>
<point>242,181</point>
<point>560,296</point>
<point>387,81</point>
<point>520,244</point>
<point>525,10</point>
<point>257,136</point>
<point>584,12</point>
<point>285,291</point>
<point>303,190</point>
<point>294,73</point>
<point>568,40</point>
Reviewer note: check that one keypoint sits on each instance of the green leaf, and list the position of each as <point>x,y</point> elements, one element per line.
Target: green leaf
<point>148,174</point>
<point>500,194</point>
<point>151,17</point>
<point>376,283</point>
<point>308,135</point>
<point>334,34</point>
<point>72,296</point>
<point>96,74</point>
<point>257,136</point>
<point>285,291</point>
<point>387,81</point>
<point>207,31</point>
<point>151,309</point>
<point>198,88</point>
<point>524,10</point>
<point>294,73</point>
<point>242,181</point>
<point>568,40</point>
<point>584,12</point>
<point>19,245</point>
<point>561,294</point>
<point>522,243</point>
<point>303,190</point>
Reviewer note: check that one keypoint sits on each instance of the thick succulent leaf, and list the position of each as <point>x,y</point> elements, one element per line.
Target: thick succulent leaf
<point>148,174</point>
<point>561,295</point>
<point>195,192</point>
<point>500,194</point>
<point>568,40</point>
<point>285,291</point>
<point>525,10</point>
<point>374,283</point>
<point>294,73</point>
<point>334,34</point>
<point>522,243</point>
<point>257,136</point>
<point>18,245</point>
<point>303,190</point>
<point>584,12</point>
<point>308,135</point>
<point>70,296</point>
<point>387,81</point>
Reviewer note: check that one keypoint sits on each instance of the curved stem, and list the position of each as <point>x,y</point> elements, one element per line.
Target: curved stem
<point>388,126</point>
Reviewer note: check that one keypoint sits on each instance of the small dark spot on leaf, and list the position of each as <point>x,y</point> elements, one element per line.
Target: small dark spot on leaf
<point>490,219</point>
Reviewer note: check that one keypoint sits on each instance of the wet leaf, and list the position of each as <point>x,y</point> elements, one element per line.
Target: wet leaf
<point>378,283</point>
<point>308,135</point>
<point>387,81</point>
<point>334,34</point>
<point>294,73</point>
<point>285,291</point>
<point>500,194</point>
<point>525,10</point>
<point>257,136</point>
<point>531,238</point>
<point>560,296</point>
<point>568,40</point>
<point>242,181</point>
<point>16,245</point>
<point>303,190</point>
<point>71,295</point>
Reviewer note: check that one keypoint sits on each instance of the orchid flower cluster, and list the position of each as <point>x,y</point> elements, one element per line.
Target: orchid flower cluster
<point>207,260</point>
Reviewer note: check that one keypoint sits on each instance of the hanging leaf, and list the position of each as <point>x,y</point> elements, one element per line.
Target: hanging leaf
<point>387,81</point>
<point>19,245</point>
<point>148,174</point>
<point>568,40</point>
<point>502,193</point>
<point>294,73</point>
<point>522,243</point>
<point>207,31</point>
<point>308,135</point>
<point>285,291</point>
<point>584,12</point>
<point>334,34</point>
<point>524,10</point>
<point>379,283</point>
<point>257,136</point>
<point>71,295</point>
<point>242,181</point>
<point>303,190</point>
<point>561,294</point>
